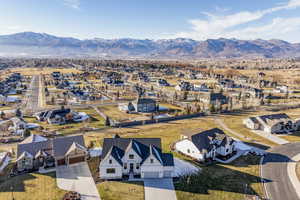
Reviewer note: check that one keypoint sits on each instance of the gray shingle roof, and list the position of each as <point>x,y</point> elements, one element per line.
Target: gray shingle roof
<point>203,139</point>
<point>56,147</point>
<point>279,116</point>
<point>33,148</point>
<point>62,144</point>
<point>116,147</point>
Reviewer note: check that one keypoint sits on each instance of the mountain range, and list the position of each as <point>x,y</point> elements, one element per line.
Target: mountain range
<point>30,44</point>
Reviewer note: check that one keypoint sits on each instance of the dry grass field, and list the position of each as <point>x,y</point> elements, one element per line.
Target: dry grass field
<point>232,181</point>
<point>45,71</point>
<point>115,190</point>
<point>33,185</point>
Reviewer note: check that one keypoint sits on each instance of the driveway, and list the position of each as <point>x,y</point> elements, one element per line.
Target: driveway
<point>77,177</point>
<point>273,137</point>
<point>156,189</point>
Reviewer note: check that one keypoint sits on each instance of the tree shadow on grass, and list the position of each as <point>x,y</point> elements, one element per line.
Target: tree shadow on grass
<point>17,183</point>
<point>220,178</point>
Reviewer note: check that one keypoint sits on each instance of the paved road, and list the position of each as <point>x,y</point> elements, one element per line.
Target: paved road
<point>77,177</point>
<point>274,170</point>
<point>156,189</point>
<point>33,94</point>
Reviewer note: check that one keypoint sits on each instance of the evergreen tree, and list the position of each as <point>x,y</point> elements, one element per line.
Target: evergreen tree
<point>107,121</point>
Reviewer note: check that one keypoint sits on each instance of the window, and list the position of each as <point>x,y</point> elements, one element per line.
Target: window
<point>188,151</point>
<point>131,156</point>
<point>137,165</point>
<point>110,170</point>
<point>110,161</point>
<point>125,165</point>
<point>151,160</point>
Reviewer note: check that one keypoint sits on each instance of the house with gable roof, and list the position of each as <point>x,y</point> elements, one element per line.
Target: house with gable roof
<point>205,144</point>
<point>39,152</point>
<point>134,156</point>
<point>273,123</point>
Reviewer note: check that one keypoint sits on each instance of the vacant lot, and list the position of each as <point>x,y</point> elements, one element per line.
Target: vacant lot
<point>114,190</point>
<point>31,186</point>
<point>114,113</point>
<point>45,70</point>
<point>168,132</point>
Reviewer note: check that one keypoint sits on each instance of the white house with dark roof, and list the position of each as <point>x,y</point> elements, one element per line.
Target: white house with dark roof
<point>205,145</point>
<point>274,123</point>
<point>134,156</point>
<point>144,105</point>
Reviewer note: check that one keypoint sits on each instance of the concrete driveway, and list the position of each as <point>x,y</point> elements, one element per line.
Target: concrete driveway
<point>77,177</point>
<point>156,189</point>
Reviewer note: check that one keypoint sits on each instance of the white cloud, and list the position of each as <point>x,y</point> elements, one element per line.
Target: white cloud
<point>75,4</point>
<point>216,26</point>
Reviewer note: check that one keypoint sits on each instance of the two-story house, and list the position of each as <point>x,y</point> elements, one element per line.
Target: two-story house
<point>274,123</point>
<point>205,145</point>
<point>134,156</point>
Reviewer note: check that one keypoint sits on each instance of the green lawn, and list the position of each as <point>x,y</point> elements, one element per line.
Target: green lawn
<point>115,190</point>
<point>33,186</point>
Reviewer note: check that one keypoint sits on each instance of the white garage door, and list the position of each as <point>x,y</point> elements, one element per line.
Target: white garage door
<point>151,174</point>
<point>167,173</point>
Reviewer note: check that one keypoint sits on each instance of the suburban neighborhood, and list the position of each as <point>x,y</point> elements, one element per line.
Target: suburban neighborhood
<point>90,132</point>
<point>150,100</point>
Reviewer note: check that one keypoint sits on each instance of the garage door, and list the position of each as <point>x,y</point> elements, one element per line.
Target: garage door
<point>61,162</point>
<point>151,174</point>
<point>167,173</point>
<point>76,159</point>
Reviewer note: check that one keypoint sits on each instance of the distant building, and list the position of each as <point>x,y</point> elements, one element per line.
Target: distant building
<point>145,105</point>
<point>274,123</point>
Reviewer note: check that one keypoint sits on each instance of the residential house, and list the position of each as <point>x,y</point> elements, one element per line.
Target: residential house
<point>61,116</point>
<point>37,151</point>
<point>134,156</point>
<point>144,105</point>
<point>205,145</point>
<point>162,82</point>
<point>274,123</point>
<point>214,98</point>
<point>184,86</point>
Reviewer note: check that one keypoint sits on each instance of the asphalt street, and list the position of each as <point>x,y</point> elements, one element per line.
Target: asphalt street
<point>32,98</point>
<point>274,170</point>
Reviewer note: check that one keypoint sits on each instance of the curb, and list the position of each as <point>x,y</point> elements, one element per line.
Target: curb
<point>291,170</point>
<point>262,179</point>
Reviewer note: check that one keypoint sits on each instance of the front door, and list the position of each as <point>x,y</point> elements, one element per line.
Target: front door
<point>131,167</point>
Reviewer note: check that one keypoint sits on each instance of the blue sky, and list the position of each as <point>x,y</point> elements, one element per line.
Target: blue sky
<point>154,19</point>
